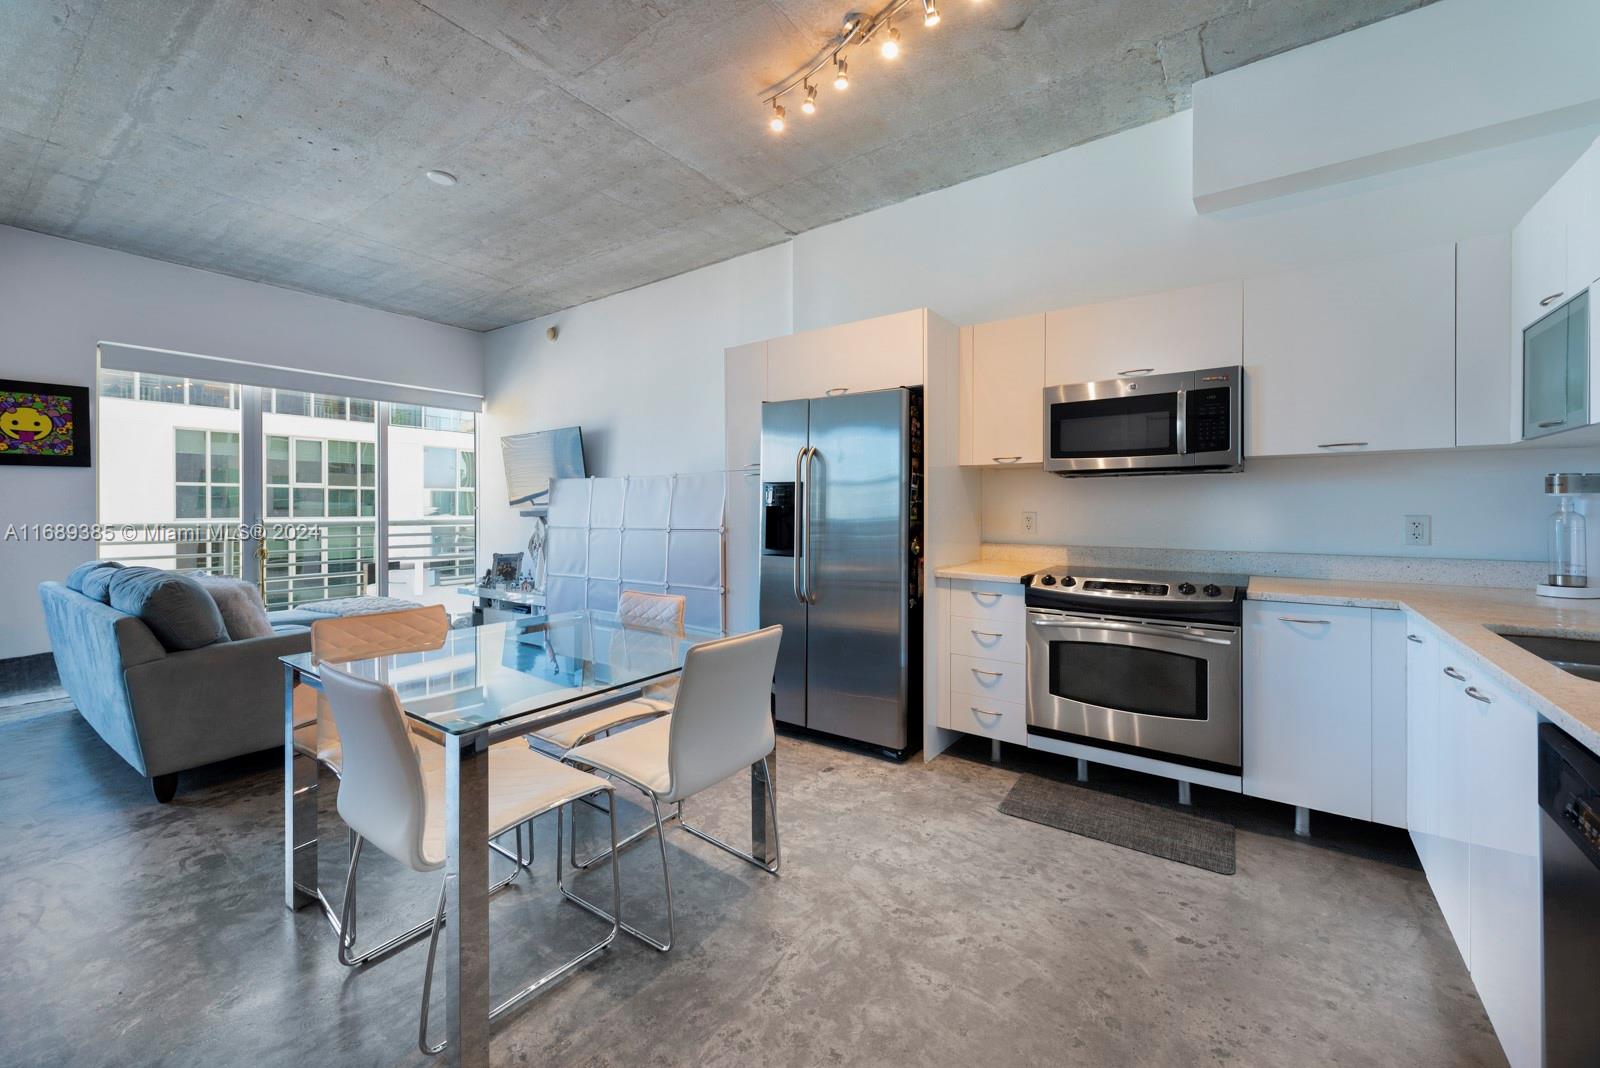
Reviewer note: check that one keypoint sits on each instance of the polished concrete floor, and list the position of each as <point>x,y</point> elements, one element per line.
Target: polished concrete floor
<point>913,925</point>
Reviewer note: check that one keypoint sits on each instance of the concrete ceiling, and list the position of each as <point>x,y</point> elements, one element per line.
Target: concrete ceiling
<point>601,145</point>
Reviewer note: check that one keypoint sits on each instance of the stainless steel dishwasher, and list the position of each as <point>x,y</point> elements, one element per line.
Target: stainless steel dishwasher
<point>1569,795</point>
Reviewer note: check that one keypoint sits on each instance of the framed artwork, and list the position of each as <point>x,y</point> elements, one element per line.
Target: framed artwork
<point>43,425</point>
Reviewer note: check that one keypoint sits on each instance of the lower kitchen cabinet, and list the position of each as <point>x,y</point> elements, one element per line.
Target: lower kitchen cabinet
<point>983,679</point>
<point>1472,800</point>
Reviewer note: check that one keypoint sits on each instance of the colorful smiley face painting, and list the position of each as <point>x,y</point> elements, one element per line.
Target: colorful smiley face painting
<point>42,424</point>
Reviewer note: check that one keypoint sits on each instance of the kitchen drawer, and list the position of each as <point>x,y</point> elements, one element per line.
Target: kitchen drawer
<point>1005,721</point>
<point>987,600</point>
<point>987,639</point>
<point>998,680</point>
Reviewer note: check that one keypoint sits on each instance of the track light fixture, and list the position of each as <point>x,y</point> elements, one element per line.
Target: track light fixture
<point>857,30</point>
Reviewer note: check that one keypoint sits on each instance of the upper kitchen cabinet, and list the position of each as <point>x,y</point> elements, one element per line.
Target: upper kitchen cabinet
<point>1539,278</point>
<point>1002,383</point>
<point>1486,388</point>
<point>1356,356</point>
<point>1158,333</point>
<point>857,357</point>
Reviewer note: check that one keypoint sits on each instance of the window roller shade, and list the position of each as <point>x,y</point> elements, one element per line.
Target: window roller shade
<point>119,357</point>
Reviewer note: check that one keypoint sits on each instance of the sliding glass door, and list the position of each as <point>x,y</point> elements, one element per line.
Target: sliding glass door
<point>354,497</point>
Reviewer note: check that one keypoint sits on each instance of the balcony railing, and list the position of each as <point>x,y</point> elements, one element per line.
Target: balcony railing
<point>336,558</point>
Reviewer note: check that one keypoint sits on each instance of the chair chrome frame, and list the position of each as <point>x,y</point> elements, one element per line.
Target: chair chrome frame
<point>560,970</point>
<point>658,828</point>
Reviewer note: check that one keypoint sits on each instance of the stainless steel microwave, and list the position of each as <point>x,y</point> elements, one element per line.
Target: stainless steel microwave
<point>1154,424</point>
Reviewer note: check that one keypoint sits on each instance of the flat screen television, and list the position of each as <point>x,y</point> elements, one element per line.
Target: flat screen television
<point>532,460</point>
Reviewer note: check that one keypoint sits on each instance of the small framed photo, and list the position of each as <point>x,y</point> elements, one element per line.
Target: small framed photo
<point>43,425</point>
<point>507,567</point>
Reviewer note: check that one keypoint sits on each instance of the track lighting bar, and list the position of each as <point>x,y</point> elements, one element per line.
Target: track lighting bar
<point>857,30</point>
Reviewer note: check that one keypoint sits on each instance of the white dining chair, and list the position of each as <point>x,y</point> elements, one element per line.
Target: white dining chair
<point>394,799</point>
<point>720,725</point>
<point>644,618</point>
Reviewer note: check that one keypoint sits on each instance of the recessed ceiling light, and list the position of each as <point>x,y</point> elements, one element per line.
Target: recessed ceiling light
<point>441,178</point>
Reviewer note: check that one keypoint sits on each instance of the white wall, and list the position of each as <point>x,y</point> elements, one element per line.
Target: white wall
<point>58,299</point>
<point>640,371</point>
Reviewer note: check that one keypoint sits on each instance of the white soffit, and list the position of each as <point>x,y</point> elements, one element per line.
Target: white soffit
<point>1454,77</point>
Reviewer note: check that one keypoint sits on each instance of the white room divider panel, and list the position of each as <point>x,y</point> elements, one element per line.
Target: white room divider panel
<point>658,534</point>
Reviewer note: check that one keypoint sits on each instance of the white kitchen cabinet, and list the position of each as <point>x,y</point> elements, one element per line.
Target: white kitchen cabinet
<point>1002,374</point>
<point>982,677</point>
<point>1488,392</point>
<point>1540,279</point>
<point>857,357</point>
<point>1583,221</point>
<point>1358,356</point>
<point>1308,706</point>
<point>1503,861</point>
<point>1389,717</point>
<point>1155,333</point>
<point>744,385</point>
<point>1422,741</point>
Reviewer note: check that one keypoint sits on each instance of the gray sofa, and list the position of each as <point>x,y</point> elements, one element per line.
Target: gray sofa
<point>158,682</point>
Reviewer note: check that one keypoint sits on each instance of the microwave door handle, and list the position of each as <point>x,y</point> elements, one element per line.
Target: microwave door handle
<point>1183,426</point>
<point>1133,628</point>
<point>799,521</point>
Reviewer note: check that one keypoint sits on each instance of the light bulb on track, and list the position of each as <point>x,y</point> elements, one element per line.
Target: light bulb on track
<point>809,104</point>
<point>930,13</point>
<point>776,122</point>
<point>841,73</point>
<point>891,44</point>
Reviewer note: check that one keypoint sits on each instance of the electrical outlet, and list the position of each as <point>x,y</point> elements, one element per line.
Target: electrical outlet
<point>1419,530</point>
<point>1030,522</point>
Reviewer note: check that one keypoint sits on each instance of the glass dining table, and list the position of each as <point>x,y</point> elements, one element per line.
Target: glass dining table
<point>480,686</point>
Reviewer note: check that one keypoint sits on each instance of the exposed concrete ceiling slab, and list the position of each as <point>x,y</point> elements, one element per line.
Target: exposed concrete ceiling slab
<point>600,146</point>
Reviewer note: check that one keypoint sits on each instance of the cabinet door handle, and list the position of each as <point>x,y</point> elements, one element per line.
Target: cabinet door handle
<point>1135,371</point>
<point>979,595</point>
<point>986,712</point>
<point>1478,695</point>
<point>1413,638</point>
<point>1006,459</point>
<point>837,390</point>
<point>991,674</point>
<point>1302,619</point>
<point>1454,674</point>
<point>1552,298</point>
<point>1548,423</point>
<point>1343,445</point>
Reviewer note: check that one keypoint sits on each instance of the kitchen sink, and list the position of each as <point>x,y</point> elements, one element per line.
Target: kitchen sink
<point>1575,656</point>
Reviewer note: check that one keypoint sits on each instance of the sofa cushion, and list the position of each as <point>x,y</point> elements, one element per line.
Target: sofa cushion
<point>357,606</point>
<point>76,576</point>
<point>175,607</point>
<point>97,583</point>
<point>243,613</point>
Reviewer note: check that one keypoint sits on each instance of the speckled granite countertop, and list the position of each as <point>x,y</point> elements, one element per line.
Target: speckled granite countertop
<point>1473,619</point>
<point>988,570</point>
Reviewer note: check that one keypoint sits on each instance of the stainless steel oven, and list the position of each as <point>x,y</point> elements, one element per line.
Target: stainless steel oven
<point>1140,664</point>
<point>1145,425</point>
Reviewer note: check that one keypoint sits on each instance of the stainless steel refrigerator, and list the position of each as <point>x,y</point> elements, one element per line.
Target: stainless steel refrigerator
<point>841,568</point>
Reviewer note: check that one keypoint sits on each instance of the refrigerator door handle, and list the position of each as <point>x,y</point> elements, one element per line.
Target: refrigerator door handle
<point>810,454</point>
<point>799,521</point>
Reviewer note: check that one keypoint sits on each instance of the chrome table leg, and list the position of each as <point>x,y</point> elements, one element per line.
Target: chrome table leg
<point>466,888</point>
<point>300,789</point>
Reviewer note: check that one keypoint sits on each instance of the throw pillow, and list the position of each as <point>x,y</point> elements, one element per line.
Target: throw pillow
<point>176,608</point>
<point>243,613</point>
<point>97,583</point>
<point>76,576</point>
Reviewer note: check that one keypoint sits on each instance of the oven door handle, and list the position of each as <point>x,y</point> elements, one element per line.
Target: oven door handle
<point>1133,628</point>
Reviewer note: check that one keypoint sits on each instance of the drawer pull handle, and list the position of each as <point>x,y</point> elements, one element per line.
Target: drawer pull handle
<point>838,391</point>
<point>1413,638</point>
<point>991,674</point>
<point>1006,459</point>
<point>1551,299</point>
<point>1478,695</point>
<point>1135,371</point>
<point>1343,445</point>
<point>1548,423</point>
<point>1303,619</point>
<point>987,634</point>
<point>986,712</point>
<point>1454,674</point>
<point>979,595</point>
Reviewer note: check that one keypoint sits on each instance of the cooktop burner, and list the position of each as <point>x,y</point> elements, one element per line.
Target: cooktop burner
<point>1125,591</point>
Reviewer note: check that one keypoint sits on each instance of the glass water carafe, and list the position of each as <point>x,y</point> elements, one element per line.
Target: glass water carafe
<point>1568,541</point>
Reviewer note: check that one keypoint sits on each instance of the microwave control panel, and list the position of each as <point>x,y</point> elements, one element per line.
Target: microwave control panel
<point>1208,420</point>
